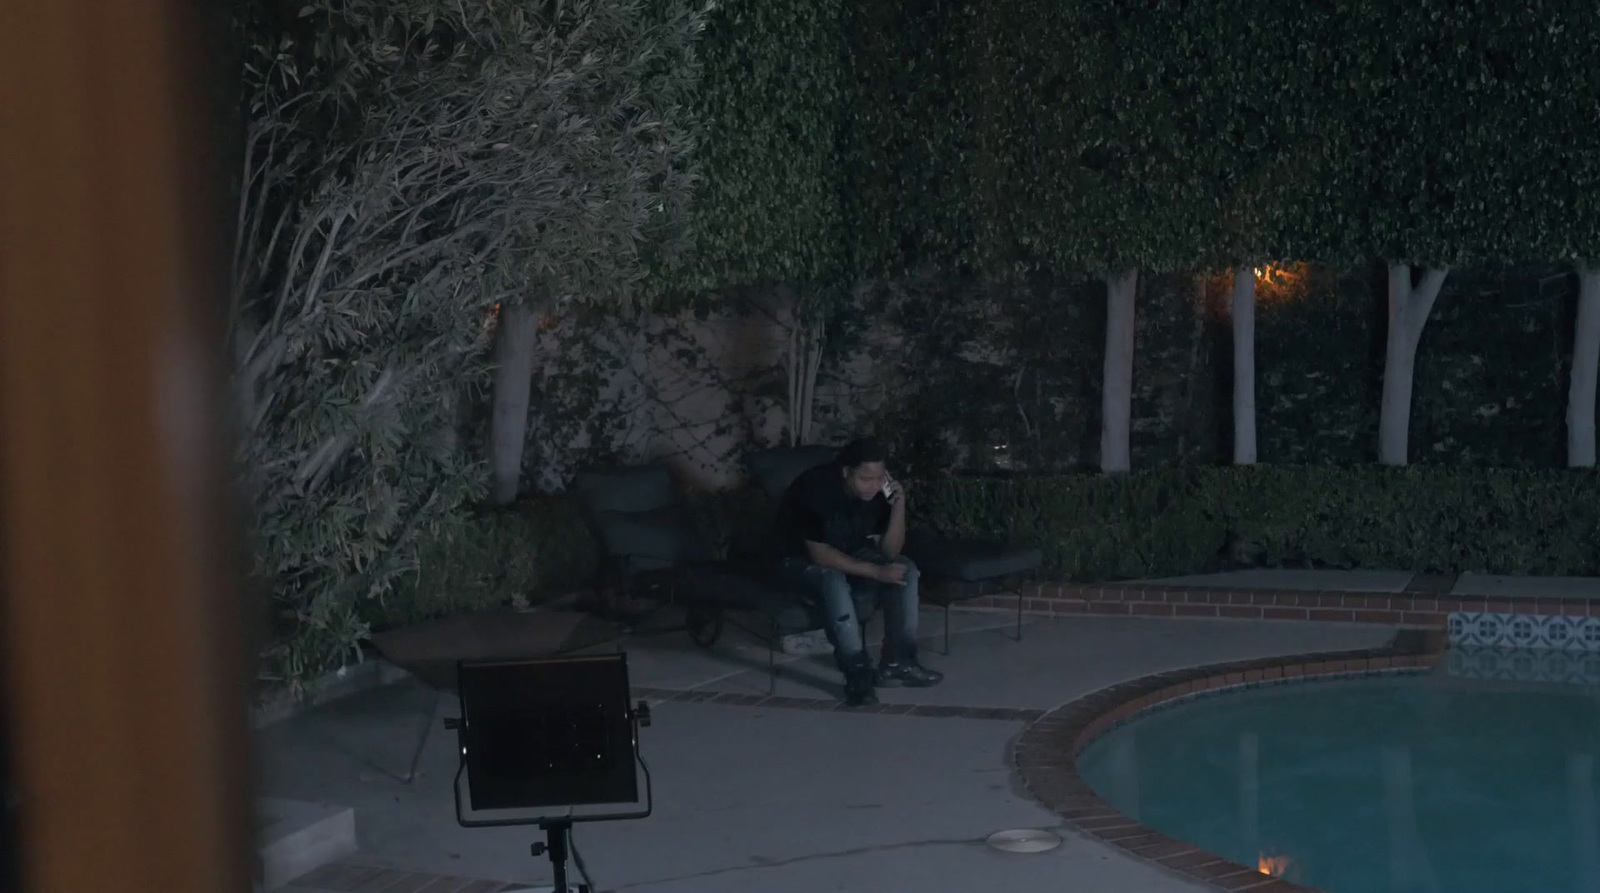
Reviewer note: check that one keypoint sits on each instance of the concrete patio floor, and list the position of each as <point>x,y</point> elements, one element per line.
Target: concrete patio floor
<point>776,799</point>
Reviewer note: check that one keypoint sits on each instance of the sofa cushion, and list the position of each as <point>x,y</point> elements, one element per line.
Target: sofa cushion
<point>969,560</point>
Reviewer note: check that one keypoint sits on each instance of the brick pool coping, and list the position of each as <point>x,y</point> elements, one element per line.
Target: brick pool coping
<point>1046,753</point>
<point>1419,608</point>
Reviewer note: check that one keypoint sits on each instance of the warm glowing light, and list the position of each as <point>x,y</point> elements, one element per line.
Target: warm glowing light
<point>1273,865</point>
<point>1283,278</point>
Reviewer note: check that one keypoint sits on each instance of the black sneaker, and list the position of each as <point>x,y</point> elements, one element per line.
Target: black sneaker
<point>908,674</point>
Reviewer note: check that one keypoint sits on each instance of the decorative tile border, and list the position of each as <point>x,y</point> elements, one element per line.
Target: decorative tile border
<point>1543,632</point>
<point>1524,665</point>
<point>1419,608</point>
<point>1046,753</point>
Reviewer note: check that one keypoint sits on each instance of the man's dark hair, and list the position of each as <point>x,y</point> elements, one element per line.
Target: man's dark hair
<point>860,452</point>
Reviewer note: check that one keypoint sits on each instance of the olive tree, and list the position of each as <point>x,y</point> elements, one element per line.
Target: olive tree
<point>408,167</point>
<point>616,131</point>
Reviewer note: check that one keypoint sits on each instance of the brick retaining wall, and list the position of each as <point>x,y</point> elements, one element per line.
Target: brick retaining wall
<point>1417,609</point>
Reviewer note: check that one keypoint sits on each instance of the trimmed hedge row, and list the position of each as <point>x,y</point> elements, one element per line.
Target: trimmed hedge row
<point>535,550</point>
<point>1093,528</point>
<point>1175,522</point>
<point>491,559</point>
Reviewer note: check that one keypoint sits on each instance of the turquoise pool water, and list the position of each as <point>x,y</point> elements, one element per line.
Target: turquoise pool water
<point>1383,784</point>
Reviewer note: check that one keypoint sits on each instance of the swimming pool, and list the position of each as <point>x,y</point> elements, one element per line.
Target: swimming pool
<point>1379,784</point>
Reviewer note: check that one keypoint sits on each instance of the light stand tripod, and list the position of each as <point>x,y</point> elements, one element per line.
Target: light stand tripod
<point>549,733</point>
<point>557,844</point>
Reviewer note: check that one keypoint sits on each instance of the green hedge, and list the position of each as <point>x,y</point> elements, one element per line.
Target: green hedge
<point>770,102</point>
<point>492,558</point>
<point>1094,528</point>
<point>1176,522</point>
<point>845,140</point>
<point>1105,134</point>
<point>535,550</point>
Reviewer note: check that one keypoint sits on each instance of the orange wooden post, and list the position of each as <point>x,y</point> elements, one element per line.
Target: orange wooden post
<point>123,655</point>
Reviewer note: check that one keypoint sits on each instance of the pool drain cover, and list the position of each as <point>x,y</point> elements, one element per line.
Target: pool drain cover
<point>1024,840</point>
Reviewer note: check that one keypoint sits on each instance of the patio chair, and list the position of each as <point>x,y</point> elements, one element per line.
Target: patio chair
<point>975,563</point>
<point>647,538</point>
<point>642,526</point>
<point>772,471</point>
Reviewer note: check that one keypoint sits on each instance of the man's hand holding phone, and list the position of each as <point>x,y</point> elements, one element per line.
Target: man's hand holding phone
<point>894,491</point>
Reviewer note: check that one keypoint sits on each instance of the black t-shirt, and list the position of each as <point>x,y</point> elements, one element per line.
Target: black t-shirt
<point>817,508</point>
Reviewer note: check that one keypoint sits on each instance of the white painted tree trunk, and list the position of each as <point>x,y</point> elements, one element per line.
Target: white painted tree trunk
<point>802,362</point>
<point>1116,404</point>
<point>1585,365</point>
<point>1125,773</point>
<point>1401,814</point>
<point>515,341</point>
<point>1584,822</point>
<point>1409,307</point>
<point>1243,310</point>
<point>1410,869</point>
<point>1250,790</point>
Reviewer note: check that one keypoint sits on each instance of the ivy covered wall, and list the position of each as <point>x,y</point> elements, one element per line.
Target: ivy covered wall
<point>1491,381</point>
<point>949,369</point>
<point>1006,374</point>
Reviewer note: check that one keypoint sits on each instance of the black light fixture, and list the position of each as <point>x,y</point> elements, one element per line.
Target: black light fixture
<point>545,734</point>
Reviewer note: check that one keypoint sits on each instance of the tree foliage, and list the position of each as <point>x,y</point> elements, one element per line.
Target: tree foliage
<point>912,159</point>
<point>1548,90</point>
<point>769,104</point>
<point>407,166</point>
<point>1106,134</point>
<point>410,165</point>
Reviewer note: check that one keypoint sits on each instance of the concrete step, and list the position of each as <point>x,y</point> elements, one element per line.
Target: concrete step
<point>296,837</point>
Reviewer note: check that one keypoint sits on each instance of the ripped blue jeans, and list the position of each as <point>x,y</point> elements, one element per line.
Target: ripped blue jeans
<point>838,593</point>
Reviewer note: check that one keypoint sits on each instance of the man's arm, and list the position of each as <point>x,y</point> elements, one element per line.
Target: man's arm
<point>824,555</point>
<point>894,538</point>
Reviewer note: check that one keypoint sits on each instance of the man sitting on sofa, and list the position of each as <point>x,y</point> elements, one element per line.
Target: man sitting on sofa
<point>839,531</point>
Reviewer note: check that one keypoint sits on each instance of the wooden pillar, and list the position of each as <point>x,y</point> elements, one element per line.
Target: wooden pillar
<point>122,653</point>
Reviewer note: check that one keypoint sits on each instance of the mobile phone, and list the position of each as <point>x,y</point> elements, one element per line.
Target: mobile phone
<point>888,487</point>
